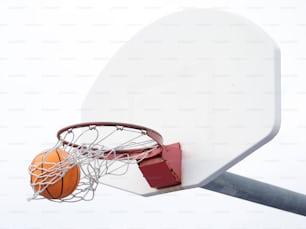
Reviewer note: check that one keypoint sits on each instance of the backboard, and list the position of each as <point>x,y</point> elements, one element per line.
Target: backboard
<point>205,78</point>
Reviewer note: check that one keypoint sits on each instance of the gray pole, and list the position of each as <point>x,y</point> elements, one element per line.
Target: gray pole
<point>258,192</point>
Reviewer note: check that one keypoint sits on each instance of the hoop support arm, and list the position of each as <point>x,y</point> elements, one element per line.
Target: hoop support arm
<point>262,193</point>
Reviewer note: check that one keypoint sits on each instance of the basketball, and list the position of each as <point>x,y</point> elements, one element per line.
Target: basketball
<point>52,176</point>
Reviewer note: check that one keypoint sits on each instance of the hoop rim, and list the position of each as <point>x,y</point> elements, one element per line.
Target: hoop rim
<point>157,137</point>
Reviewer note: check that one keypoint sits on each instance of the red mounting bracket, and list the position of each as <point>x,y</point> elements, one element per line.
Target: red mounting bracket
<point>163,170</point>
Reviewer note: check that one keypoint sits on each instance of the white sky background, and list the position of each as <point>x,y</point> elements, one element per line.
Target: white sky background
<point>51,53</point>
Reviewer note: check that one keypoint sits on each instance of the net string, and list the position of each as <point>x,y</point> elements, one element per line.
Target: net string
<point>93,157</point>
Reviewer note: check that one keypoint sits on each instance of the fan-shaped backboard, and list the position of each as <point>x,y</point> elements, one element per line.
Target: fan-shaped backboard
<point>207,79</point>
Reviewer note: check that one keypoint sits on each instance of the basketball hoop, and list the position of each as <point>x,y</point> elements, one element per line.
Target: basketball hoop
<point>100,149</point>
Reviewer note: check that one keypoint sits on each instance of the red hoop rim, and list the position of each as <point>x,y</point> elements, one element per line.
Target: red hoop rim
<point>149,132</point>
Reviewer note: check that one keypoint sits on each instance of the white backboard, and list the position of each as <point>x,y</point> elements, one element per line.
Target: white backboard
<point>207,79</point>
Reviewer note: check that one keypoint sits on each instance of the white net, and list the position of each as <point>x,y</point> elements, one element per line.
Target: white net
<point>98,151</point>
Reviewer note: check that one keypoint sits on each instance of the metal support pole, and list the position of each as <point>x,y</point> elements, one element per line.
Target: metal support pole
<point>259,192</point>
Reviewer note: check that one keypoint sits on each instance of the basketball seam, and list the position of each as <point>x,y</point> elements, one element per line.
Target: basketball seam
<point>60,161</point>
<point>42,166</point>
<point>77,180</point>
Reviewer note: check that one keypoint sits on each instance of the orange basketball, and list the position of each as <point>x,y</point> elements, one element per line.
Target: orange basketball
<point>42,174</point>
